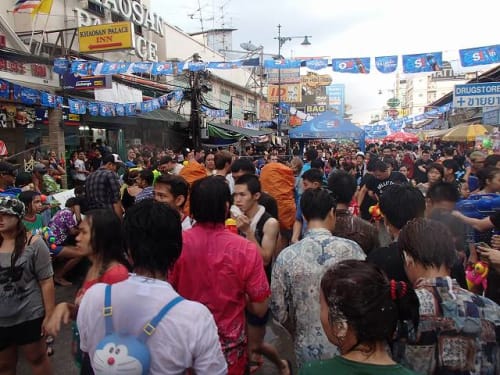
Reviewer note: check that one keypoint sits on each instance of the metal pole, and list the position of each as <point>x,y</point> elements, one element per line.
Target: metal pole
<point>278,127</point>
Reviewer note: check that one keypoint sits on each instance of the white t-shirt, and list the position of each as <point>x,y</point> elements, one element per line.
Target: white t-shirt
<point>80,166</point>
<point>185,338</point>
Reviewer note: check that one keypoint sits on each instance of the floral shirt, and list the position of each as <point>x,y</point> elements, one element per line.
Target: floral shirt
<point>61,224</point>
<point>456,332</point>
<point>295,286</point>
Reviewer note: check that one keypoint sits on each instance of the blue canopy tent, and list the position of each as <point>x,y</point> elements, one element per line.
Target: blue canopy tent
<point>329,125</point>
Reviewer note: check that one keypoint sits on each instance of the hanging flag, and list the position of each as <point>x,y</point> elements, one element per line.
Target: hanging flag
<point>47,100</point>
<point>352,65</point>
<point>61,65</point>
<point>281,64</point>
<point>225,64</point>
<point>196,66</point>
<point>386,64</point>
<point>423,62</point>
<point>29,5</point>
<point>43,7</point>
<point>480,55</point>
<point>4,89</point>
<point>141,67</point>
<point>130,109</point>
<point>120,109</point>
<point>93,109</point>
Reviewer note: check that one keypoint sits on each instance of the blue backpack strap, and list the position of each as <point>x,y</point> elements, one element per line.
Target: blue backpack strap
<point>108,310</point>
<point>150,326</point>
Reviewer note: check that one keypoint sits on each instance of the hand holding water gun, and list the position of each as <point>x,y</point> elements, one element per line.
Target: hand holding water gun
<point>477,274</point>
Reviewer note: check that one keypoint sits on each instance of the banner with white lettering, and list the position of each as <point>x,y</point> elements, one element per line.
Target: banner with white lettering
<point>423,62</point>
<point>358,65</point>
<point>386,64</point>
<point>480,55</point>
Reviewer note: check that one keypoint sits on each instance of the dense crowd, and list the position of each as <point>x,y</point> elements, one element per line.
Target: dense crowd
<point>385,261</point>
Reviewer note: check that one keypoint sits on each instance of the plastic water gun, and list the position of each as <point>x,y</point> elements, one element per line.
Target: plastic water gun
<point>479,206</point>
<point>477,274</point>
<point>50,239</point>
<point>375,212</point>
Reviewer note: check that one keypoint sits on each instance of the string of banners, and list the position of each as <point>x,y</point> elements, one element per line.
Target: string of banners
<point>415,63</point>
<point>29,96</point>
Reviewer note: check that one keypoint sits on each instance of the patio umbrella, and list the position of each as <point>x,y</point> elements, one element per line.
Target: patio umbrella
<point>401,137</point>
<point>467,132</point>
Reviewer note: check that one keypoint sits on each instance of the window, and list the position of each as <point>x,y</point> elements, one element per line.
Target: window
<point>225,92</point>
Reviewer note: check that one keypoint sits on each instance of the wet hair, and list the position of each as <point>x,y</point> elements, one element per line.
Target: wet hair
<point>71,202</point>
<point>443,192</point>
<point>451,164</point>
<point>27,198</point>
<point>23,179</point>
<point>311,154</point>
<point>147,175</point>
<point>148,224</point>
<point>313,175</point>
<point>251,181</point>
<point>360,293</point>
<point>222,158</point>
<point>490,161</point>
<point>106,237</point>
<point>317,164</point>
<point>438,167</point>
<point>401,203</point>
<point>317,203</point>
<point>428,242</point>
<point>377,165</point>
<point>485,174</point>
<point>343,186</point>
<point>177,185</point>
<point>209,201</point>
<point>130,175</point>
<point>243,164</point>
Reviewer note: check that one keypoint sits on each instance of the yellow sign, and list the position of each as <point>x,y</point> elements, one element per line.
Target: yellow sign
<point>314,80</point>
<point>106,37</point>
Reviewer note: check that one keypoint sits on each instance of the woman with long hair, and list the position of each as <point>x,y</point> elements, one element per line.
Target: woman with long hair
<point>360,310</point>
<point>26,291</point>
<point>100,240</point>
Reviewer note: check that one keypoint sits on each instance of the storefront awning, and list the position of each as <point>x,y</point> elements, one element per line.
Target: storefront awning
<point>162,115</point>
<point>251,133</point>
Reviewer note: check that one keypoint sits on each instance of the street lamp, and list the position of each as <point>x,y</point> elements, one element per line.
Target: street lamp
<point>281,41</point>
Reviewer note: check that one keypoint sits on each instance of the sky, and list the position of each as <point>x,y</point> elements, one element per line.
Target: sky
<point>346,29</point>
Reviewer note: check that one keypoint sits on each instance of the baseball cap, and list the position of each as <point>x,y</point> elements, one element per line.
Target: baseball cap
<point>11,206</point>
<point>360,153</point>
<point>8,168</point>
<point>40,168</point>
<point>112,158</point>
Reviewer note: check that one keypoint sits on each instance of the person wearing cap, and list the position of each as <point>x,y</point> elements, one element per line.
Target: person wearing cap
<point>102,187</point>
<point>44,182</point>
<point>26,291</point>
<point>8,173</point>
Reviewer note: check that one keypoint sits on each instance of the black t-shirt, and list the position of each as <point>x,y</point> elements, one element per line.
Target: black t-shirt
<point>367,201</point>
<point>418,175</point>
<point>378,186</point>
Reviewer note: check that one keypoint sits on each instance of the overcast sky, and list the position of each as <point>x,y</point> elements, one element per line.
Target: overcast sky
<point>344,29</point>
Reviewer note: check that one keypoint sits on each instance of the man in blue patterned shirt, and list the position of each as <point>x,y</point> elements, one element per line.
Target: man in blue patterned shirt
<point>297,274</point>
<point>457,331</point>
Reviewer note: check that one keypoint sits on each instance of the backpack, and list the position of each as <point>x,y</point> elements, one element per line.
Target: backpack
<point>119,353</point>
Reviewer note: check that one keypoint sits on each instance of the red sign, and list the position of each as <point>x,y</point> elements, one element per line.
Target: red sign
<point>3,42</point>
<point>12,66</point>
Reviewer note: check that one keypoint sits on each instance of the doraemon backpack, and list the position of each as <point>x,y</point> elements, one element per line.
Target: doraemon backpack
<point>121,353</point>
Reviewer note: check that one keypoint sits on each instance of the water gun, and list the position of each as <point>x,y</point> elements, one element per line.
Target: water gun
<point>375,212</point>
<point>479,206</point>
<point>477,274</point>
<point>50,239</point>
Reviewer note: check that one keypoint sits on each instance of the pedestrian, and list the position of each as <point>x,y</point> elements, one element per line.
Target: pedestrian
<point>27,292</point>
<point>458,330</point>
<point>100,240</point>
<point>222,270</point>
<point>32,219</point>
<point>297,273</point>
<point>186,338</point>
<point>360,310</point>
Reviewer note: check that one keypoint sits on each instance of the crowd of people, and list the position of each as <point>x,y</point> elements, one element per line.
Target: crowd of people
<point>362,257</point>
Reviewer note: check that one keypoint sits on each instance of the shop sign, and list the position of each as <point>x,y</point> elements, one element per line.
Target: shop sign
<point>132,11</point>
<point>291,75</point>
<point>313,80</point>
<point>72,82</point>
<point>291,93</point>
<point>106,37</point>
<point>37,70</point>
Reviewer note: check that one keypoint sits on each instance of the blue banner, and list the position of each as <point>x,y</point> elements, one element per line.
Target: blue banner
<point>93,109</point>
<point>107,109</point>
<point>29,96</point>
<point>225,65</point>
<point>130,109</point>
<point>4,89</point>
<point>141,67</point>
<point>120,109</point>
<point>61,65</point>
<point>386,64</point>
<point>196,66</point>
<point>110,68</point>
<point>423,62</point>
<point>166,68</point>
<point>360,65</point>
<point>281,64</point>
<point>255,61</point>
<point>317,64</point>
<point>78,107</point>
<point>16,92</point>
<point>47,100</point>
<point>146,107</point>
<point>83,68</point>
<point>480,55</point>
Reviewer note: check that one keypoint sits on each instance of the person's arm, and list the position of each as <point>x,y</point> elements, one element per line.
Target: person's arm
<point>279,289</point>
<point>269,239</point>
<point>480,225</point>
<point>361,194</point>
<point>48,297</point>
<point>63,313</point>
<point>296,231</point>
<point>115,191</point>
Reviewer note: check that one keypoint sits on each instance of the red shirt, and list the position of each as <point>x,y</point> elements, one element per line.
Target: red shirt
<point>219,269</point>
<point>113,275</point>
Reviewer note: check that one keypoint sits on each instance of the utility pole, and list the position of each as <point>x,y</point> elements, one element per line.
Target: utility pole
<point>194,82</point>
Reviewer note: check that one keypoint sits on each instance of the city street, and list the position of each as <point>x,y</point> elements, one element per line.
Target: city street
<point>64,365</point>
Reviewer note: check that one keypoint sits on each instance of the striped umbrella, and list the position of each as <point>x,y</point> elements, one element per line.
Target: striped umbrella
<point>467,132</point>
